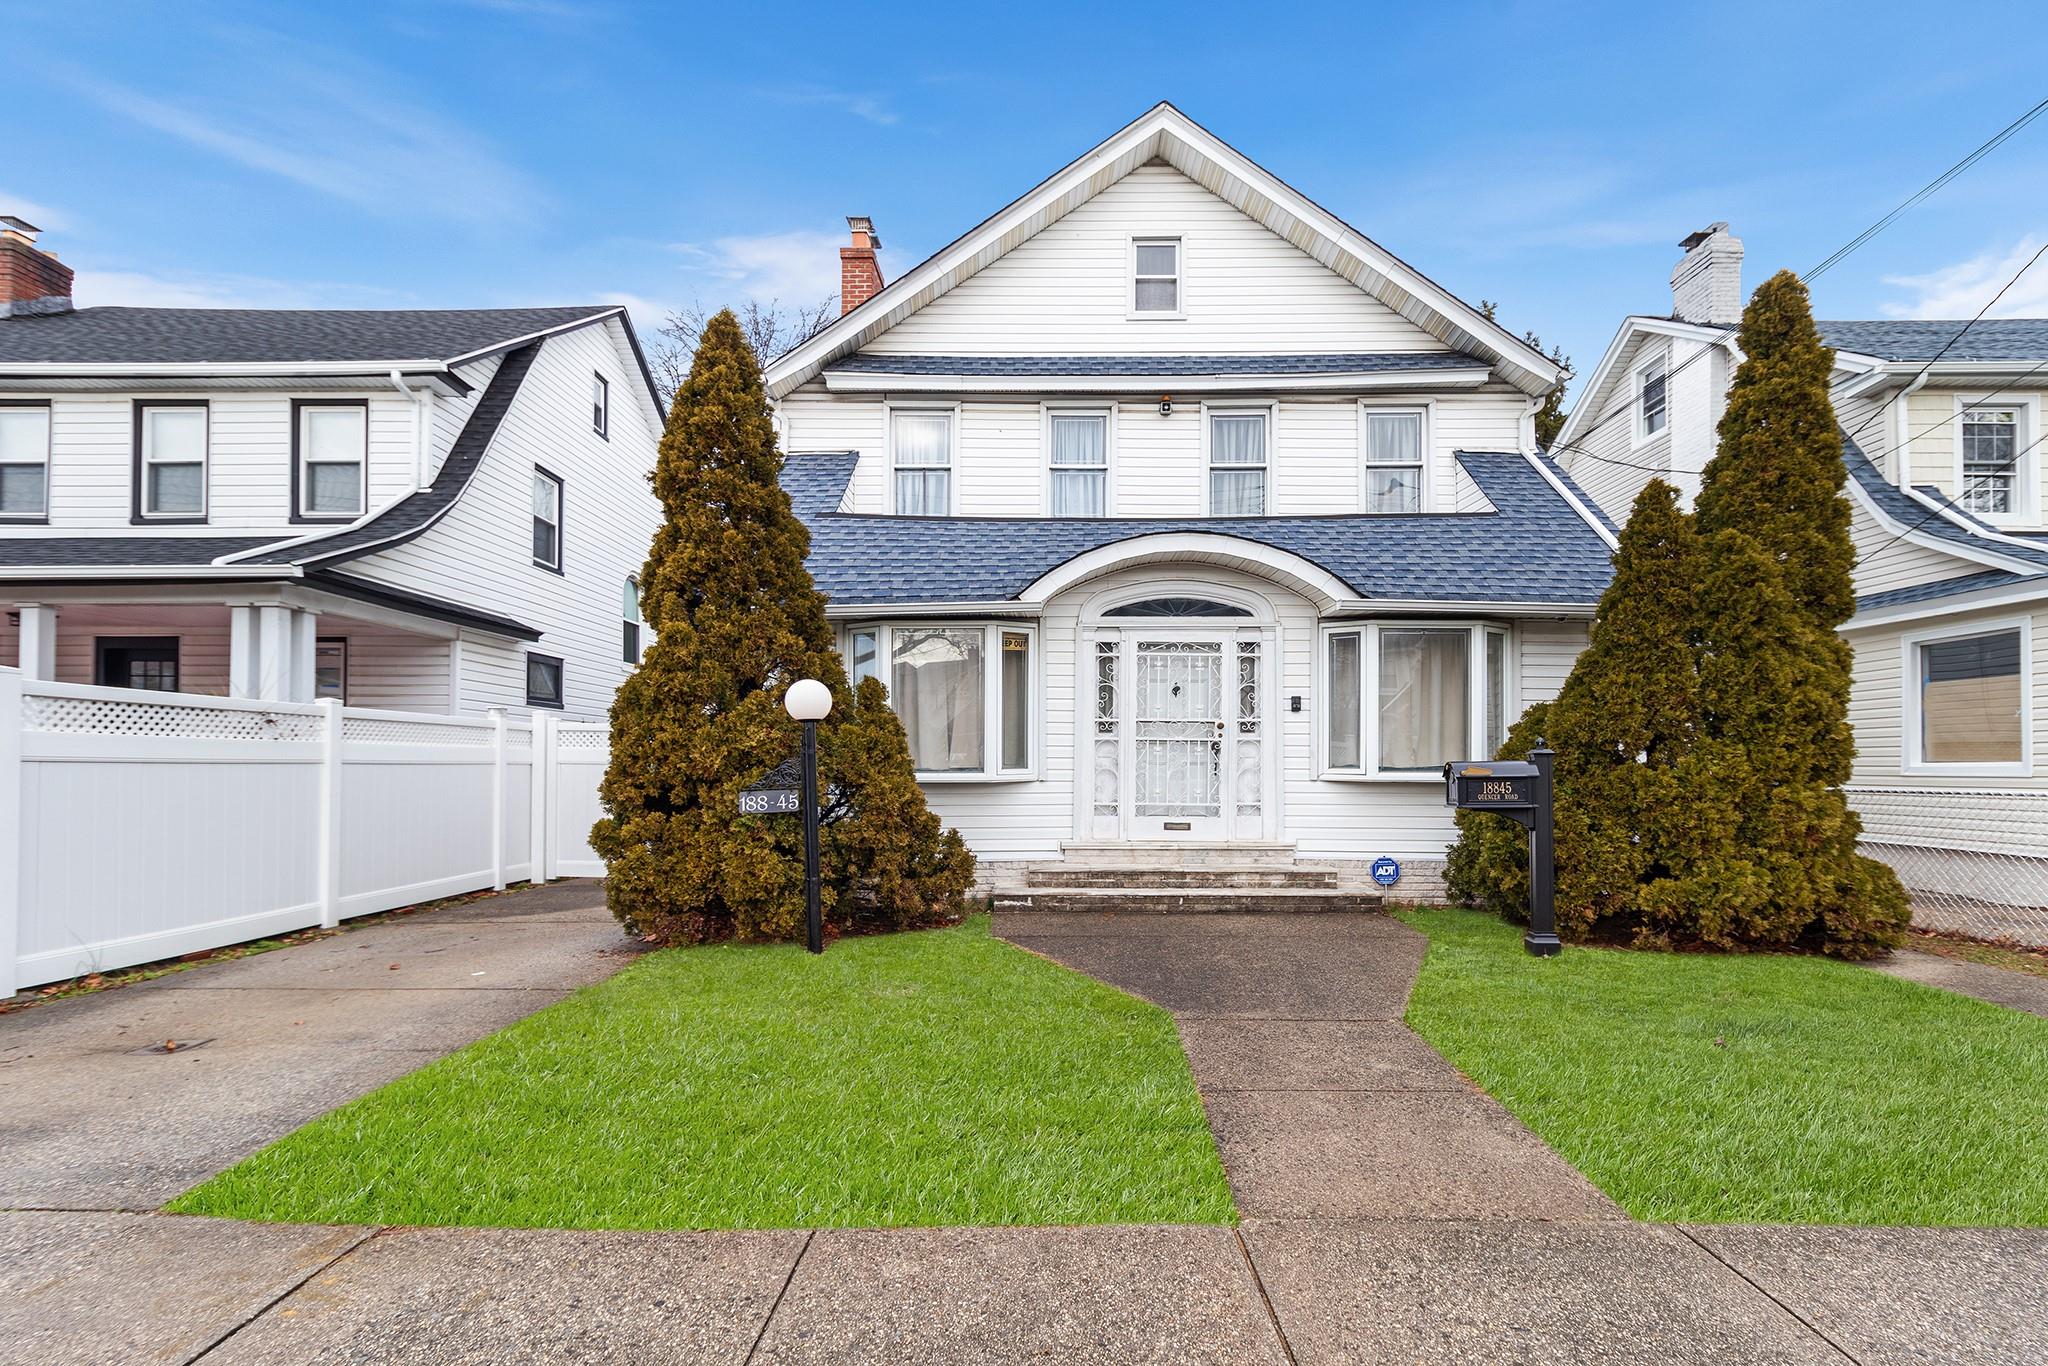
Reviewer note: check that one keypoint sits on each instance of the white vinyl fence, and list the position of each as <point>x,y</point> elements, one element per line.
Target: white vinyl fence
<point>136,826</point>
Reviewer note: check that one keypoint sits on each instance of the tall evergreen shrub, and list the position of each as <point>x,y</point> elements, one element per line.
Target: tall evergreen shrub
<point>736,621</point>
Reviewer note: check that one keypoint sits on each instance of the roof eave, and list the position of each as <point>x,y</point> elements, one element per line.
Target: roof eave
<point>875,382</point>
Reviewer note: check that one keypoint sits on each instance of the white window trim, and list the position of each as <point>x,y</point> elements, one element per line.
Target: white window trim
<point>1427,408</point>
<point>1270,410</point>
<point>305,482</point>
<point>1180,279</point>
<point>205,411</point>
<point>952,411</point>
<point>1511,686</point>
<point>1909,700</point>
<point>991,771</point>
<point>601,406</point>
<point>1369,770</point>
<point>1641,435</point>
<point>1047,411</point>
<point>2026,484</point>
<point>561,540</point>
<point>49,412</point>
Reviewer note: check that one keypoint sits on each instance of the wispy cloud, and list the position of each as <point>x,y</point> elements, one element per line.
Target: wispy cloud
<point>861,104</point>
<point>141,289</point>
<point>303,119</point>
<point>42,215</point>
<point>1959,290</point>
<point>800,266</point>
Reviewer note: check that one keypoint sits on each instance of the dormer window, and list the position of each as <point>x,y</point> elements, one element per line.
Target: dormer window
<point>331,442</point>
<point>1991,443</point>
<point>1155,277</point>
<point>24,460</point>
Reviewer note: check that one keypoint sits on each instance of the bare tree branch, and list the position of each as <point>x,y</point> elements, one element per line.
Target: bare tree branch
<point>770,329</point>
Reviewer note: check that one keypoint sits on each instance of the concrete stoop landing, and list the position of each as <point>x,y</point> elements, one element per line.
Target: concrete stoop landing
<point>1185,879</point>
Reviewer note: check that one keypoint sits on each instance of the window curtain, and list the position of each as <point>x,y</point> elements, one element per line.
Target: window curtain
<point>939,696</point>
<point>1237,439</point>
<point>1393,440</point>
<point>923,444</point>
<point>1424,692</point>
<point>1079,457</point>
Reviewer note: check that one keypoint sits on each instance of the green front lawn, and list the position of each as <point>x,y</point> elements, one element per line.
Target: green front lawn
<point>942,1077</point>
<point>1736,1089</point>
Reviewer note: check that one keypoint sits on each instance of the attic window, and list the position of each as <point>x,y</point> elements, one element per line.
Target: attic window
<point>1653,412</point>
<point>1155,277</point>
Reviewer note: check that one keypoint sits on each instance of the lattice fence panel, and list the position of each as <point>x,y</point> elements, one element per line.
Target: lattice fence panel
<point>57,715</point>
<point>367,730</point>
<point>1974,862</point>
<point>595,738</point>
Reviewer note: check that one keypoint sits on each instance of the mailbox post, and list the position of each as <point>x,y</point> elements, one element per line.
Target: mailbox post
<point>1521,791</point>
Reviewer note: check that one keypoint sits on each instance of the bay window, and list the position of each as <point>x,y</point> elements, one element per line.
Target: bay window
<point>1402,700</point>
<point>966,694</point>
<point>24,460</point>
<point>1077,449</point>
<point>1393,459</point>
<point>1237,462</point>
<point>1967,700</point>
<point>921,450</point>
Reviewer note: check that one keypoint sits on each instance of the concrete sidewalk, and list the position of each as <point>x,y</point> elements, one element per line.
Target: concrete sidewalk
<point>96,1116</point>
<point>1999,986</point>
<point>159,1288</point>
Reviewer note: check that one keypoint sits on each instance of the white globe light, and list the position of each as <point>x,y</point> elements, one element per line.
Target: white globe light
<point>808,700</point>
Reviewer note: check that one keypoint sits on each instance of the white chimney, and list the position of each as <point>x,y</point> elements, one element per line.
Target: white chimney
<point>1706,284</point>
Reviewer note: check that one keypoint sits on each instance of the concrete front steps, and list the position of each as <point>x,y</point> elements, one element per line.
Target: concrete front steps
<point>1184,879</point>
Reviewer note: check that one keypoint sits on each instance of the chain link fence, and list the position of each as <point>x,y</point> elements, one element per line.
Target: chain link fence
<point>1974,861</point>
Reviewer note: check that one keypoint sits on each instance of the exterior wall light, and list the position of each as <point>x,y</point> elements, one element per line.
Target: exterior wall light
<point>1166,405</point>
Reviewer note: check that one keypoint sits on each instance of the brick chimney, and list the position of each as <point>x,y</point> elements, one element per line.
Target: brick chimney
<point>860,274</point>
<point>31,280</point>
<point>1706,284</point>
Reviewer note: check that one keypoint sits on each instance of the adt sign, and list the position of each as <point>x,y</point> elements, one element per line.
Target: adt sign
<point>1385,871</point>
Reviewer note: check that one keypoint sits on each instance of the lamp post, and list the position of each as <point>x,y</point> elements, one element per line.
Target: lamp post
<point>810,701</point>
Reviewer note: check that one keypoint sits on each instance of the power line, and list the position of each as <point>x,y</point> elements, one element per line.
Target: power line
<point>1830,261</point>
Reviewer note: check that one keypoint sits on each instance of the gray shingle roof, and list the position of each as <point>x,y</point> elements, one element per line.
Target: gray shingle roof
<point>1343,363</point>
<point>410,516</point>
<point>1534,549</point>
<point>76,553</point>
<point>1921,339</point>
<point>1947,588</point>
<point>1954,527</point>
<point>174,336</point>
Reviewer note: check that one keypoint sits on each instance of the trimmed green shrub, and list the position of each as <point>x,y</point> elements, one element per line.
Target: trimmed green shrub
<point>736,621</point>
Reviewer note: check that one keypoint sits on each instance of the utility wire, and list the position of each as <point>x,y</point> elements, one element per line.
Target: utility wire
<point>1827,263</point>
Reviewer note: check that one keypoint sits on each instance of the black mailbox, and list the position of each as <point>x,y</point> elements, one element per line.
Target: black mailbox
<point>1520,791</point>
<point>1497,785</point>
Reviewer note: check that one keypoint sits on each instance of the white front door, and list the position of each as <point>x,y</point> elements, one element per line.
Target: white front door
<point>1179,732</point>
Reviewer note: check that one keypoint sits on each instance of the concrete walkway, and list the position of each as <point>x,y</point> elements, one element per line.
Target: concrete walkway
<point>2000,986</point>
<point>97,1117</point>
<point>1324,1104</point>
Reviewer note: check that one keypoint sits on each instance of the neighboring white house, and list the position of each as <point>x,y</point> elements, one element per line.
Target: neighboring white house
<point>429,510</point>
<point>1950,520</point>
<point>1177,514</point>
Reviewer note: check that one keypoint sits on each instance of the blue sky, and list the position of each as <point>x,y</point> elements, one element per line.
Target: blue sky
<point>474,152</point>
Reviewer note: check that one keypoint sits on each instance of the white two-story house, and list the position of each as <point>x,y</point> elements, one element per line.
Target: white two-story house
<point>424,510</point>
<point>1178,515</point>
<point>1942,420</point>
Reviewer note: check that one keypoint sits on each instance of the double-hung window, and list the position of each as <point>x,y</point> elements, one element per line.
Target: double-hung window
<point>24,461</point>
<point>601,406</point>
<point>1393,459</point>
<point>1967,701</point>
<point>547,520</point>
<point>1155,277</point>
<point>1079,457</point>
<point>1403,700</point>
<point>629,622</point>
<point>1238,462</point>
<point>966,694</point>
<point>332,445</point>
<point>1991,458</point>
<point>170,461</point>
<point>1653,412</point>
<point>921,451</point>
